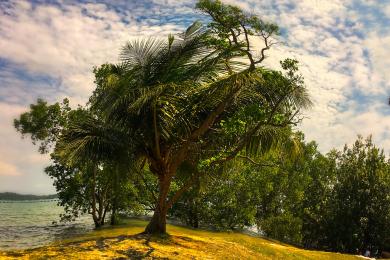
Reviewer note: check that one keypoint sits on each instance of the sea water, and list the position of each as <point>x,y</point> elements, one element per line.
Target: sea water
<point>29,224</point>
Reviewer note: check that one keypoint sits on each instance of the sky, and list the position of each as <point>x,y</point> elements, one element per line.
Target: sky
<point>49,48</point>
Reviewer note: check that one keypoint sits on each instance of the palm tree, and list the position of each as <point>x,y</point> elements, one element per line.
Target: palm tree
<point>193,100</point>
<point>150,95</point>
<point>199,99</point>
<point>172,98</point>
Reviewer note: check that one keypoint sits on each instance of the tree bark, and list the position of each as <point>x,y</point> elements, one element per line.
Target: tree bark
<point>157,224</point>
<point>113,215</point>
<point>115,190</point>
<point>113,219</point>
<point>96,219</point>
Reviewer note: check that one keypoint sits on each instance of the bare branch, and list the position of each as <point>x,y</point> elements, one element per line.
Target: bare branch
<point>268,45</point>
<point>248,49</point>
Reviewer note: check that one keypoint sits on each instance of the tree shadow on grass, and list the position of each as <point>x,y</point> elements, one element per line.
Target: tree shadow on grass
<point>133,253</point>
<point>13,254</point>
<point>104,244</point>
<point>146,239</point>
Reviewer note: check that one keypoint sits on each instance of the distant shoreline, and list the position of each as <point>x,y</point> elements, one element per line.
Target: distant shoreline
<point>11,196</point>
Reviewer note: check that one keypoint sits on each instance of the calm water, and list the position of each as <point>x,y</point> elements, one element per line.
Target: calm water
<point>30,224</point>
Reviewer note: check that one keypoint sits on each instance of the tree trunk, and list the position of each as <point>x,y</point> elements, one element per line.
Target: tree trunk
<point>115,191</point>
<point>157,224</point>
<point>113,215</point>
<point>194,211</point>
<point>96,219</point>
<point>97,223</point>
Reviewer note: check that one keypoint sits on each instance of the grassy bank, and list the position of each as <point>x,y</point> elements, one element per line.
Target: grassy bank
<point>125,242</point>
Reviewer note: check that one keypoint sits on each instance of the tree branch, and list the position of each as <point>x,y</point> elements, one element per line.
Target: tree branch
<point>248,51</point>
<point>205,125</point>
<point>156,134</point>
<point>256,163</point>
<point>243,141</point>
<point>184,188</point>
<point>145,182</point>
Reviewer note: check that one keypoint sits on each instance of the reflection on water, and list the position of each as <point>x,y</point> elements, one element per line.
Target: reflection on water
<point>30,224</point>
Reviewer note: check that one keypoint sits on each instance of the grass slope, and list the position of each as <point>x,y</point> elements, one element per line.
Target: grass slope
<point>125,242</point>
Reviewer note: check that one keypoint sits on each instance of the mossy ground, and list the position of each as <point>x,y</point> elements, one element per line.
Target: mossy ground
<point>126,242</point>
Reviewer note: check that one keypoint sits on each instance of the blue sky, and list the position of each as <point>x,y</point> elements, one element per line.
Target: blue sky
<point>48,50</point>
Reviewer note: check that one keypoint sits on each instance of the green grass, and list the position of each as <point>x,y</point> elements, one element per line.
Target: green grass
<point>125,241</point>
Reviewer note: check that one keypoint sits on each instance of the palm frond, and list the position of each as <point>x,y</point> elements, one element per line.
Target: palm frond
<point>139,53</point>
<point>89,140</point>
<point>273,138</point>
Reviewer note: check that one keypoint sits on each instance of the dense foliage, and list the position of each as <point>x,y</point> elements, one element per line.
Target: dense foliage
<point>356,213</point>
<point>338,202</point>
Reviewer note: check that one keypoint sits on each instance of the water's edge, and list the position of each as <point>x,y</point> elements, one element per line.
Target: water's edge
<point>31,224</point>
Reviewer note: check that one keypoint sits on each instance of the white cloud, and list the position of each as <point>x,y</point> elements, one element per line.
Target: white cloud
<point>66,43</point>
<point>325,36</point>
<point>21,166</point>
<point>60,43</point>
<point>377,45</point>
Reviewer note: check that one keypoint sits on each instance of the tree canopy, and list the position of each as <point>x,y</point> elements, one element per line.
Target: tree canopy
<point>196,100</point>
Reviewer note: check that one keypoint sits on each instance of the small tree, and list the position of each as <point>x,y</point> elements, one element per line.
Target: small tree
<point>94,182</point>
<point>360,206</point>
